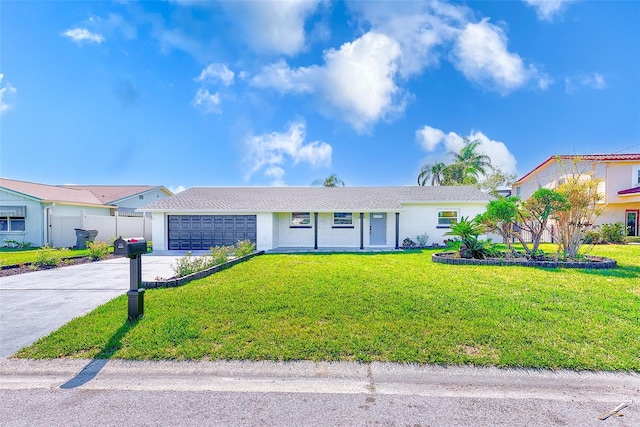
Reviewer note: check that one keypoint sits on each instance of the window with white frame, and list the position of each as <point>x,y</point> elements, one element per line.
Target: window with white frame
<point>638,176</point>
<point>12,218</point>
<point>518,191</point>
<point>446,218</point>
<point>342,219</point>
<point>300,219</point>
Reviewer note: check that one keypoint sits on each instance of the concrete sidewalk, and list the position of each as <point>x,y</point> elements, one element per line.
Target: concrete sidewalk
<point>34,304</point>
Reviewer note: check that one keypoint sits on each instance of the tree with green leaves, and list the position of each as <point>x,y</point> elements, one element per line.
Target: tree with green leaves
<point>467,167</point>
<point>434,171</point>
<point>330,181</point>
<point>473,164</point>
<point>501,218</point>
<point>495,180</point>
<point>535,213</point>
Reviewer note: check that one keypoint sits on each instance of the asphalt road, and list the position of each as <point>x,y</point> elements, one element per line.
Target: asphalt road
<point>34,304</point>
<point>120,393</point>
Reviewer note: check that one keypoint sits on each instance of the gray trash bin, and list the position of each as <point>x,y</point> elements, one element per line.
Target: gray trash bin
<point>83,236</point>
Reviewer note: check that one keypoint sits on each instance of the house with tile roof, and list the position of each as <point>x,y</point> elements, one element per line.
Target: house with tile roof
<point>620,186</point>
<point>41,213</point>
<point>307,218</point>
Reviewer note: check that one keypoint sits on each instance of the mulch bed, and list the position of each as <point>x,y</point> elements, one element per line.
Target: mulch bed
<point>11,270</point>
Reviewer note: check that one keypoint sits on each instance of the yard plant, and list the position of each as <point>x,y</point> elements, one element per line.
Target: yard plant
<point>397,307</point>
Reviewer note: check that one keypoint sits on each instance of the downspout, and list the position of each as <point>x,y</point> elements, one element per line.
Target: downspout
<point>361,230</point>
<point>315,230</point>
<point>46,232</point>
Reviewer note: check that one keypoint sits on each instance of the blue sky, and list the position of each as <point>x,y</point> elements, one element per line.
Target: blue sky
<point>194,93</point>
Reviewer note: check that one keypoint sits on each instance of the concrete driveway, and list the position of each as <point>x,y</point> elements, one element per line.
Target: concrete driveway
<point>34,304</point>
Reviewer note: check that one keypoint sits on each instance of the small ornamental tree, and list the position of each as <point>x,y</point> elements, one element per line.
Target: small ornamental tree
<point>535,212</point>
<point>500,217</point>
<point>582,193</point>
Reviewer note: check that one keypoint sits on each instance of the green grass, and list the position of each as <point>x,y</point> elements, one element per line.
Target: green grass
<point>14,256</point>
<point>397,307</point>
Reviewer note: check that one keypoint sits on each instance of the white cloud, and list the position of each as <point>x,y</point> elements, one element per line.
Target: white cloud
<point>209,77</point>
<point>206,101</point>
<point>429,31</point>
<point>284,79</point>
<point>271,151</point>
<point>6,90</point>
<point>356,83</point>
<point>548,9</point>
<point>214,72</point>
<point>420,28</point>
<point>481,54</point>
<point>81,35</point>
<point>274,26</point>
<point>594,81</point>
<point>431,138</point>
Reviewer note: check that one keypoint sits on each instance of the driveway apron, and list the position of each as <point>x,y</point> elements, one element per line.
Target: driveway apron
<point>34,304</point>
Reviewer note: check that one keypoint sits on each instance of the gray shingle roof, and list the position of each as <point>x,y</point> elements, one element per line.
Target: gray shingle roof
<point>318,199</point>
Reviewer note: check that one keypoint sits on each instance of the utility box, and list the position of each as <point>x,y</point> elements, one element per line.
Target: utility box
<point>83,236</point>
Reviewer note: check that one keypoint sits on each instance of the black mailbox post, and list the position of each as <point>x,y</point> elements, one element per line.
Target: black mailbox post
<point>135,248</point>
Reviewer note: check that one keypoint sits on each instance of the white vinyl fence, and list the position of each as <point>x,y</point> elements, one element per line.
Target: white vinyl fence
<point>63,234</point>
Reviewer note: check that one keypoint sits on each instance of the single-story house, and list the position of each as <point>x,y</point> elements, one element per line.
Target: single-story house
<point>309,217</point>
<point>41,214</point>
<point>619,176</point>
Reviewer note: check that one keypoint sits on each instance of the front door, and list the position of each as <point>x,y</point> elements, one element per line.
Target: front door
<point>378,229</point>
<point>632,223</point>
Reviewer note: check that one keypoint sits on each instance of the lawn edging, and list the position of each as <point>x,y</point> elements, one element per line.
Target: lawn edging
<point>594,262</point>
<point>179,281</point>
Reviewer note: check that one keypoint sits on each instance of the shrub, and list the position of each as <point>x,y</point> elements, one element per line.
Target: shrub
<point>243,247</point>
<point>219,254</point>
<point>48,256</point>
<point>189,264</point>
<point>592,237</point>
<point>606,233</point>
<point>632,239</point>
<point>97,250</point>
<point>613,233</point>
<point>422,239</point>
<point>408,243</point>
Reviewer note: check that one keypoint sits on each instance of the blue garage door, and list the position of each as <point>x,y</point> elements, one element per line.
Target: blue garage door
<point>200,232</point>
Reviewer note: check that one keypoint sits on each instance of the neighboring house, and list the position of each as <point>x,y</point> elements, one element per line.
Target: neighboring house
<point>126,197</point>
<point>27,211</point>
<point>41,214</point>
<point>620,187</point>
<point>309,217</point>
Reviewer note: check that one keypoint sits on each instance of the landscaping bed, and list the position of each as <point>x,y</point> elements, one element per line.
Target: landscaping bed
<point>28,267</point>
<point>589,262</point>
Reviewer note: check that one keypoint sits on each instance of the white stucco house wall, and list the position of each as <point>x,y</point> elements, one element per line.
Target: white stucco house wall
<point>309,217</point>
<point>620,186</point>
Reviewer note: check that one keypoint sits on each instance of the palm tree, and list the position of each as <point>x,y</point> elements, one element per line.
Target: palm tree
<point>434,171</point>
<point>473,164</point>
<point>330,181</point>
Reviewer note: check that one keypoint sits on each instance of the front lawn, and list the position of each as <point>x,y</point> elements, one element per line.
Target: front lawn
<point>396,307</point>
